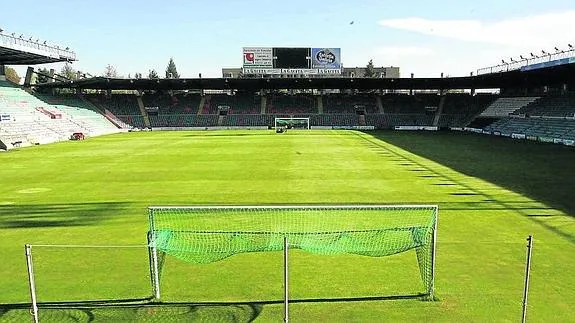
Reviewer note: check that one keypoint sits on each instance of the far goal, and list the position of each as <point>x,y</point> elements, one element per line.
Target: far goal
<point>291,123</point>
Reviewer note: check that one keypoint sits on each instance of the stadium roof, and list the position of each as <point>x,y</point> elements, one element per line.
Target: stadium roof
<point>557,75</point>
<point>19,51</point>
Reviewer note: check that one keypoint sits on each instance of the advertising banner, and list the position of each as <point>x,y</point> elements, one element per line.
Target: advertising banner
<point>353,128</point>
<point>518,136</point>
<point>290,71</point>
<point>328,58</point>
<point>258,57</point>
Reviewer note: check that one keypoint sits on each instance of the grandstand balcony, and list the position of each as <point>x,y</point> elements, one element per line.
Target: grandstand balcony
<point>173,104</point>
<point>291,104</point>
<point>345,103</point>
<point>118,104</point>
<point>237,104</point>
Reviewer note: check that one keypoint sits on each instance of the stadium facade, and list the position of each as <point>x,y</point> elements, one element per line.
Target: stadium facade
<point>292,83</point>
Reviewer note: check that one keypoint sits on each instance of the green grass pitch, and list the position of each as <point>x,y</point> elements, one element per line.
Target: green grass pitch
<point>492,193</point>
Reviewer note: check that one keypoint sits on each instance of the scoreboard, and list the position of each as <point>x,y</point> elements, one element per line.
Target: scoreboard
<point>291,60</point>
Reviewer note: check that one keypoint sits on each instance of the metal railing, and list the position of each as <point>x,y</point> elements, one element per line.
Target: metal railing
<point>19,43</point>
<point>517,65</point>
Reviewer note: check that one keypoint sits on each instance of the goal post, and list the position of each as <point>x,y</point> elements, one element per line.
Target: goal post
<point>291,123</point>
<point>207,234</point>
<point>65,274</point>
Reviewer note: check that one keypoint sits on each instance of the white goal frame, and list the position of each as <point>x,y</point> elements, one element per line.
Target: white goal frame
<point>155,262</point>
<point>277,126</point>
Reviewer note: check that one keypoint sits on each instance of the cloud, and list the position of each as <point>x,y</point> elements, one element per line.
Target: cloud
<point>535,31</point>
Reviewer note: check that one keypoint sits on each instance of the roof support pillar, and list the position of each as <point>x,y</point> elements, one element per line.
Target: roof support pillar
<point>28,78</point>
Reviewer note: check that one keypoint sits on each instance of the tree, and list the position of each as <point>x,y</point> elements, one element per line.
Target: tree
<point>12,75</point>
<point>138,75</point>
<point>171,70</point>
<point>110,72</point>
<point>369,69</point>
<point>42,75</point>
<point>153,74</point>
<point>68,72</point>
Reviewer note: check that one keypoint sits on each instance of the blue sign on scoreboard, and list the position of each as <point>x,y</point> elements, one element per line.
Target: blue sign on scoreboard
<point>326,58</point>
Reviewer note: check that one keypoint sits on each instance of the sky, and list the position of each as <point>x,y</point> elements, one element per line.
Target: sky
<point>423,37</point>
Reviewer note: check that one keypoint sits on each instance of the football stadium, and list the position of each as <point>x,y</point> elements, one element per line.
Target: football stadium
<point>293,187</point>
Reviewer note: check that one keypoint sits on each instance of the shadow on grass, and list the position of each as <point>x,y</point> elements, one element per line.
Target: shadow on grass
<point>58,215</point>
<point>159,312</point>
<point>209,133</point>
<point>541,172</point>
<point>139,310</point>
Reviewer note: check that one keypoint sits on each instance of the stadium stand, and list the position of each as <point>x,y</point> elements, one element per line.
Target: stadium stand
<point>408,104</point>
<point>503,107</point>
<point>173,104</point>
<point>537,127</point>
<point>238,104</point>
<point>247,120</point>
<point>245,110</point>
<point>389,121</point>
<point>459,110</point>
<point>27,119</point>
<point>291,104</point>
<point>118,104</point>
<point>122,107</point>
<point>81,112</point>
<point>549,106</point>
<point>345,103</point>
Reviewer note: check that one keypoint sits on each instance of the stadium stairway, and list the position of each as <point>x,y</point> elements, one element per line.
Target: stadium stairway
<point>320,104</point>
<point>201,104</point>
<point>439,111</point>
<point>379,104</point>
<point>105,112</point>
<point>263,104</point>
<point>147,123</point>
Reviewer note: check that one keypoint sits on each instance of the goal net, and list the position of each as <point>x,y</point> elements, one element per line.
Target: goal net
<point>207,234</point>
<point>291,123</point>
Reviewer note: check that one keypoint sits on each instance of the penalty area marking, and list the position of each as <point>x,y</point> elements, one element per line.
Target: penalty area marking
<point>34,190</point>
